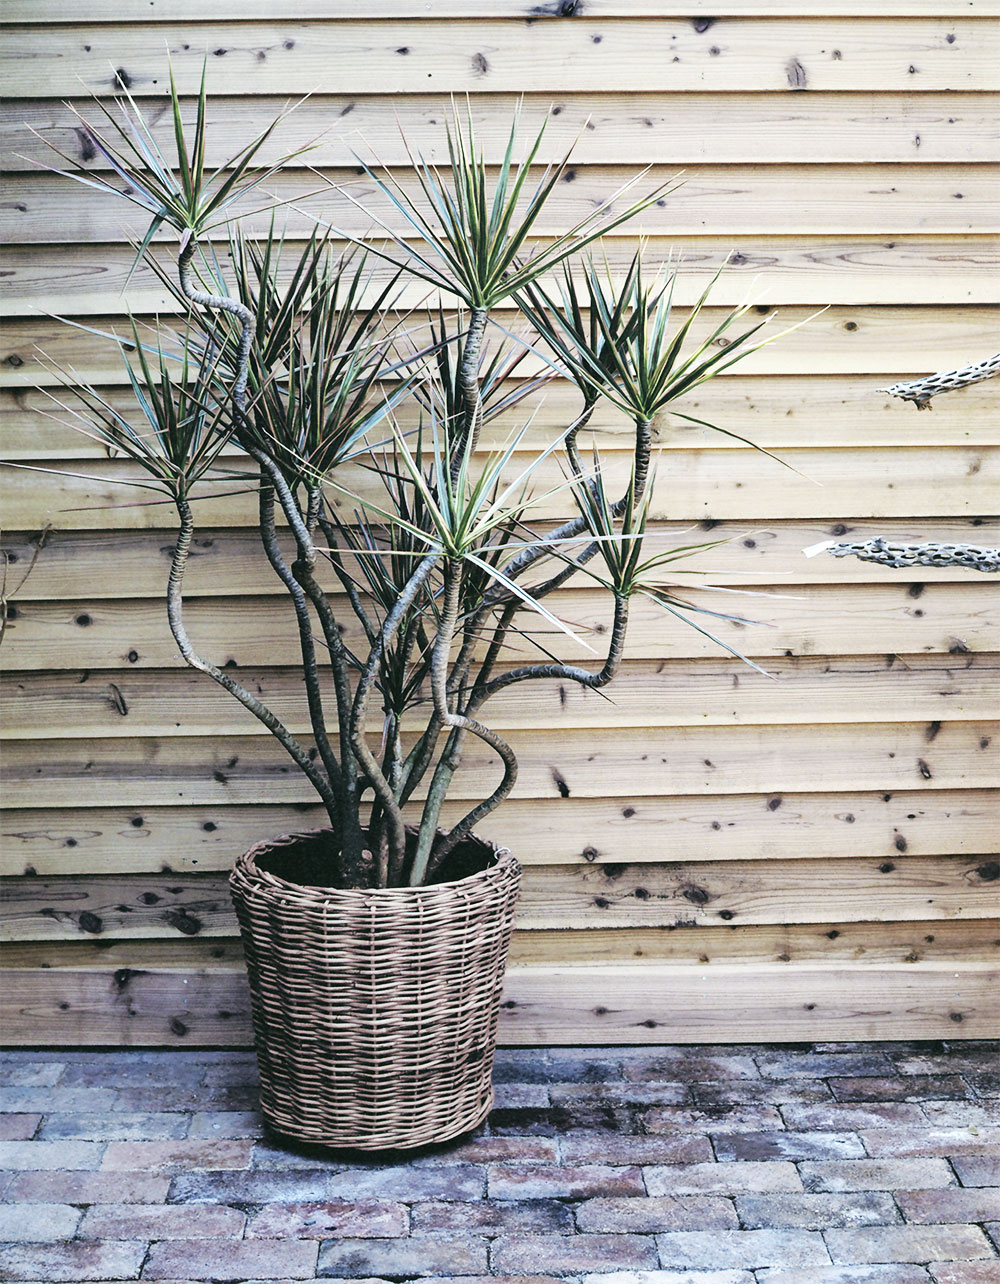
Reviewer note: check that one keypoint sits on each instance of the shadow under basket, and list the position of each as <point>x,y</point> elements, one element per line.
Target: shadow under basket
<point>375,1012</point>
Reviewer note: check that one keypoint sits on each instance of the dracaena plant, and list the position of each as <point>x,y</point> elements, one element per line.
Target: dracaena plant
<point>420,580</point>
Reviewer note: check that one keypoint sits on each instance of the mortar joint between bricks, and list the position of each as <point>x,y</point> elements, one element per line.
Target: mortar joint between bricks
<point>145,1260</point>
<point>954,1171</point>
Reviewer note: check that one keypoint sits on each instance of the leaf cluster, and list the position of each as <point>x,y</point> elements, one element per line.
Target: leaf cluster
<point>187,422</point>
<point>617,340</point>
<point>189,197</point>
<point>471,228</point>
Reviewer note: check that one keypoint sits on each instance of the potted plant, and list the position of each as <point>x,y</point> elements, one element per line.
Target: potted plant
<point>414,554</point>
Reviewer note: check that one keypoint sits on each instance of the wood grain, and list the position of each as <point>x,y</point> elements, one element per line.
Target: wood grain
<point>667,894</point>
<point>483,55</point>
<point>90,565</point>
<point>809,270</point>
<point>817,619</point>
<point>709,761</point>
<point>652,1004</point>
<point>28,11</point>
<point>621,128</point>
<point>831,944</point>
<point>717,484</point>
<point>841,814</point>
<point>664,693</point>
<point>97,839</point>
<point>875,341</point>
<point>729,201</point>
<point>777,412</point>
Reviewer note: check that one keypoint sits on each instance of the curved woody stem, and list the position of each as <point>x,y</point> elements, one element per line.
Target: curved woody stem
<point>345,780</point>
<point>390,862</point>
<point>423,864</point>
<point>225,680</point>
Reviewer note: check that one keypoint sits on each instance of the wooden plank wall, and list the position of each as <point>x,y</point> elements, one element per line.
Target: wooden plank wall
<point>715,856</point>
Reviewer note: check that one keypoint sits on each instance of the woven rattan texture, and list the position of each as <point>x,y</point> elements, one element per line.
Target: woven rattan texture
<point>375,1012</point>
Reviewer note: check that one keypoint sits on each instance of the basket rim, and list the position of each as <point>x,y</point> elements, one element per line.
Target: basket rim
<point>502,859</point>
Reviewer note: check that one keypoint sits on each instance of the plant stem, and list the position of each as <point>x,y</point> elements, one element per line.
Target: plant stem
<point>348,585</point>
<point>269,538</point>
<point>439,688</point>
<point>468,382</point>
<point>222,303</point>
<point>570,672</point>
<point>351,838</point>
<point>383,790</point>
<point>175,615</point>
<point>349,831</point>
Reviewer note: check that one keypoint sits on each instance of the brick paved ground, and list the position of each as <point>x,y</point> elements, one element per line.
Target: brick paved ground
<point>830,1164</point>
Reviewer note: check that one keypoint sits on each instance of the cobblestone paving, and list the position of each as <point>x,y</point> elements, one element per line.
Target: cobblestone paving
<point>822,1164</point>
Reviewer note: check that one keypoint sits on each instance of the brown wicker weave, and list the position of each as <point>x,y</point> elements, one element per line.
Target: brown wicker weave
<point>375,1012</point>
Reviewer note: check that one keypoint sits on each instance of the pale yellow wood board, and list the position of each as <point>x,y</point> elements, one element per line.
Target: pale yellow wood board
<point>91,565</point>
<point>702,11</point>
<point>733,202</point>
<point>777,412</point>
<point>636,762</point>
<point>665,693</point>
<point>566,1005</point>
<point>622,128</point>
<point>832,944</point>
<point>887,343</point>
<point>779,270</point>
<point>652,1004</point>
<point>822,619</point>
<point>484,55</point>
<point>552,896</point>
<point>693,485</point>
<point>94,838</point>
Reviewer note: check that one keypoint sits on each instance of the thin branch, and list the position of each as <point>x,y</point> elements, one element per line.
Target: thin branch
<point>269,539</point>
<point>348,585</point>
<point>422,861</point>
<point>389,863</point>
<point>569,672</point>
<point>175,616</point>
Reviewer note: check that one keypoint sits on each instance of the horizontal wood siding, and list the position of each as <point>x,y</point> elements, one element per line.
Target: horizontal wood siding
<point>714,854</point>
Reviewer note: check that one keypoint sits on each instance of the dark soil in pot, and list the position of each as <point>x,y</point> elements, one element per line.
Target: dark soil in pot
<point>309,861</point>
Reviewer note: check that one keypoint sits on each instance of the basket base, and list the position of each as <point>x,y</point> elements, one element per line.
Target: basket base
<point>283,1130</point>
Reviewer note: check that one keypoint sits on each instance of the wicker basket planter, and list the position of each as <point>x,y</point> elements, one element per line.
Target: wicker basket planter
<point>375,1012</point>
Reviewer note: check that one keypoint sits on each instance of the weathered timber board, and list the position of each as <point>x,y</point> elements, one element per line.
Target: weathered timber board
<point>631,1004</point>
<point>666,693</point>
<point>812,270</point>
<point>102,839</point>
<point>668,894</point>
<point>717,484</point>
<point>833,944</point>
<point>877,341</point>
<point>92,565</point>
<point>482,55</point>
<point>545,1004</point>
<point>728,201</point>
<point>625,128</point>
<point>778,412</point>
<point>789,619</point>
<point>30,11</point>
<point>708,761</point>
